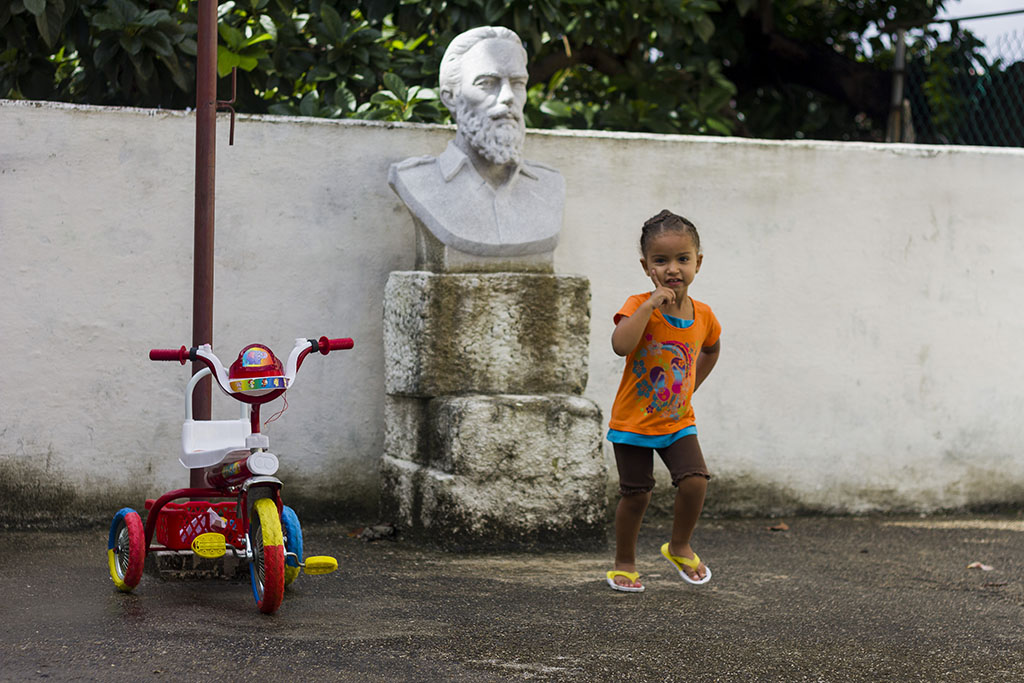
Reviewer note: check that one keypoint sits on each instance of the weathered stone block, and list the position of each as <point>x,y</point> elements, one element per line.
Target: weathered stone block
<point>507,437</point>
<point>515,333</point>
<point>405,428</point>
<point>495,470</point>
<point>457,512</point>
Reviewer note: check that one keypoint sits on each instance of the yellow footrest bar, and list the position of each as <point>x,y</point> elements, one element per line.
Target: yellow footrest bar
<point>210,545</point>
<point>320,564</point>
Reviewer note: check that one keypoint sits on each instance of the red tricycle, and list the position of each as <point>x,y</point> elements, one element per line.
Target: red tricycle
<point>236,465</point>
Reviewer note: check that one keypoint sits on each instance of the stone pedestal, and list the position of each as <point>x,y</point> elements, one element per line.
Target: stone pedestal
<point>488,441</point>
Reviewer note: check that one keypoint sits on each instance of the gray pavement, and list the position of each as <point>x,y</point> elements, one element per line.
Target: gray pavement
<point>829,599</point>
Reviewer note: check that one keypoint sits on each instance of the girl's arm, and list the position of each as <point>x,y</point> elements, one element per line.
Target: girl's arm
<point>706,362</point>
<point>629,329</point>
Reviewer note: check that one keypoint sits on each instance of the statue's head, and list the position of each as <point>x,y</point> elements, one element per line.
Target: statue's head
<point>483,84</point>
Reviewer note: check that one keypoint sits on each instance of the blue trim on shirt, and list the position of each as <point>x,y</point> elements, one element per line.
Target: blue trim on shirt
<point>678,322</point>
<point>647,440</point>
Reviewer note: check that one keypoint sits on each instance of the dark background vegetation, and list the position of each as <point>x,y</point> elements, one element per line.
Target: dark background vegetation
<point>757,68</point>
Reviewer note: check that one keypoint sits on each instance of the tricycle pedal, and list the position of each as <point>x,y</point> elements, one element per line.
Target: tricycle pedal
<point>320,564</point>
<point>210,545</point>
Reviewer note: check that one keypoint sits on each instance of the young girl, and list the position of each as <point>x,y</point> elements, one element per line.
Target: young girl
<point>671,343</point>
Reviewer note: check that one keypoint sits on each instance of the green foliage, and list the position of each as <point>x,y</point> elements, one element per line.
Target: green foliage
<point>401,103</point>
<point>97,52</point>
<point>958,97</point>
<point>665,66</point>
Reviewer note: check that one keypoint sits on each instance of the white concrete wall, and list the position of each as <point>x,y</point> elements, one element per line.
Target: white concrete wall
<point>869,296</point>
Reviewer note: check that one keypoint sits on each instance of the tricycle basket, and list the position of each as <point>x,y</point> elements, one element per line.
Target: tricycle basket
<point>179,523</point>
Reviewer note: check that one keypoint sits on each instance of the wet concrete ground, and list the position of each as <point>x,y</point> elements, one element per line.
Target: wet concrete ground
<point>829,599</point>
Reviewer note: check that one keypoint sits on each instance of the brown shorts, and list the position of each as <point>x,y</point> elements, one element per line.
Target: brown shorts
<point>636,464</point>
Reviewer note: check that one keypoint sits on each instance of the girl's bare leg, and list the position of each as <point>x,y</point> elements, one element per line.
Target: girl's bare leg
<point>688,505</point>
<point>628,516</point>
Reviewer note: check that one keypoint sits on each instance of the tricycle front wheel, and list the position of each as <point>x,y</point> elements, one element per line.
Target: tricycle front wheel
<point>267,567</point>
<point>126,549</point>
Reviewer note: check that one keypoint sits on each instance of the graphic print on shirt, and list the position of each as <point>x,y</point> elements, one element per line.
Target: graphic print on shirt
<point>663,369</point>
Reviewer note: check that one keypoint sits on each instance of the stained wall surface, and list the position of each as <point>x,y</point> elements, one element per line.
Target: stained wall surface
<point>869,295</point>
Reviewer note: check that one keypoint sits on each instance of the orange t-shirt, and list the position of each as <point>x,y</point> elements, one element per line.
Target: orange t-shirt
<point>657,382</point>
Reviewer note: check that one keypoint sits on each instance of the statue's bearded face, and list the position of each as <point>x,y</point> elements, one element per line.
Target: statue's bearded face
<point>489,100</point>
<point>496,134</point>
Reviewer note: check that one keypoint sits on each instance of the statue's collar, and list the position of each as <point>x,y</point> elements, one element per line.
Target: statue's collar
<point>453,159</point>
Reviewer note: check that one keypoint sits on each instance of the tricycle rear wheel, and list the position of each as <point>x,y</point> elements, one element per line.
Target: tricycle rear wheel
<point>126,549</point>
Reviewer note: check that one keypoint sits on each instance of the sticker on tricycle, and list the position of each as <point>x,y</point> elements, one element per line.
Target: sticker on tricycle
<point>210,545</point>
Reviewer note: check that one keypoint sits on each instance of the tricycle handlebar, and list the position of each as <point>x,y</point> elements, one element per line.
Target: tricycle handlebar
<point>180,355</point>
<point>204,354</point>
<point>325,345</point>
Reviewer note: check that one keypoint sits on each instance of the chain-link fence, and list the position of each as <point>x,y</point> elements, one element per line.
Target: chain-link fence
<point>951,98</point>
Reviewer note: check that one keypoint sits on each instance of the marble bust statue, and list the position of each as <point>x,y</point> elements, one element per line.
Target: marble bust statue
<point>480,196</point>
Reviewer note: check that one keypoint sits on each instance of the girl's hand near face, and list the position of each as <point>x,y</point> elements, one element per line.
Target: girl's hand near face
<point>629,329</point>
<point>662,295</point>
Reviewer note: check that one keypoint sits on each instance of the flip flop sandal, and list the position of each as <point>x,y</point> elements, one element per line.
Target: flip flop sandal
<point>632,576</point>
<point>679,562</point>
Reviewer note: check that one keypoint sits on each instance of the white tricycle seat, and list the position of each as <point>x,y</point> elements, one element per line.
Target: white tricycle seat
<point>209,442</point>
<point>205,443</point>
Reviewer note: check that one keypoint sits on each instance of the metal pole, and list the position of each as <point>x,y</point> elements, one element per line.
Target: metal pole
<point>894,129</point>
<point>206,158</point>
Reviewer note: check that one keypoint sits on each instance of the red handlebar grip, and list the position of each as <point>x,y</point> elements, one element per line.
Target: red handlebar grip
<point>180,355</point>
<point>327,345</point>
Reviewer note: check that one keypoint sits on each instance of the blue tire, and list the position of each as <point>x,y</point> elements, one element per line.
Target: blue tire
<point>292,543</point>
